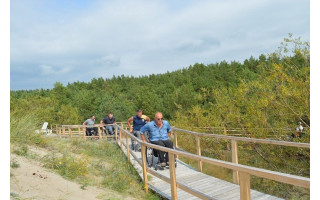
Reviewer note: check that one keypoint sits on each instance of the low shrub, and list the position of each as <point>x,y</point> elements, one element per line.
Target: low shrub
<point>67,165</point>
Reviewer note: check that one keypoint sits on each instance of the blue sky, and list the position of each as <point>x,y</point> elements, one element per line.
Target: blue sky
<point>70,41</point>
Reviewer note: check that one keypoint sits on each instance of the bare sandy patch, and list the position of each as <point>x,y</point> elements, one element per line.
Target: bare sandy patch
<point>31,181</point>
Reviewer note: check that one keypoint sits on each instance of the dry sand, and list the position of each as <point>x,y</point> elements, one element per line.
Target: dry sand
<point>31,181</point>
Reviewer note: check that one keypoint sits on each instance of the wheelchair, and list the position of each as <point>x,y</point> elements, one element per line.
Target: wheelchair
<point>134,143</point>
<point>91,131</point>
<point>152,156</point>
<point>107,131</point>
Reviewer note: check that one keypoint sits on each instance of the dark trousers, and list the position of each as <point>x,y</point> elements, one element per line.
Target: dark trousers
<point>163,156</point>
<point>88,131</point>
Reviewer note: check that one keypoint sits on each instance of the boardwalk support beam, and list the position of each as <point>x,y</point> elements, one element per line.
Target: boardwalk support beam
<point>173,180</point>
<point>144,166</point>
<point>175,144</point>
<point>244,186</point>
<point>199,152</point>
<point>234,148</point>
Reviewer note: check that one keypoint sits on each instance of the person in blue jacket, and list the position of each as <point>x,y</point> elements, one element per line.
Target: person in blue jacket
<point>159,134</point>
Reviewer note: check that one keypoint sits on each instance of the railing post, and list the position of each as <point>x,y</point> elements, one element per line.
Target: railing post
<point>84,132</point>
<point>116,129</point>
<point>245,186</point>
<point>63,130</point>
<point>175,144</point>
<point>144,166</point>
<point>59,132</point>
<point>234,149</point>
<point>127,145</point>
<point>79,132</point>
<point>120,139</point>
<point>173,180</point>
<point>199,152</point>
<point>99,131</point>
<point>70,132</point>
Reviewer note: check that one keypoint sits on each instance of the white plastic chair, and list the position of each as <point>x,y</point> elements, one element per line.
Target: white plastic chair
<point>44,129</point>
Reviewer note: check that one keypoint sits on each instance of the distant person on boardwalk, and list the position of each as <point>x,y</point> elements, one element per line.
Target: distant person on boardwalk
<point>90,129</point>
<point>108,120</point>
<point>139,121</point>
<point>159,134</point>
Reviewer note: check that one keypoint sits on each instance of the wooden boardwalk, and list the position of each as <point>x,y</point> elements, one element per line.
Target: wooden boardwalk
<point>187,183</point>
<point>212,187</point>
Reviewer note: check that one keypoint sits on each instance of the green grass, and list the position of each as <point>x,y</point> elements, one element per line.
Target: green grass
<point>22,130</point>
<point>98,163</point>
<point>67,165</point>
<point>14,164</point>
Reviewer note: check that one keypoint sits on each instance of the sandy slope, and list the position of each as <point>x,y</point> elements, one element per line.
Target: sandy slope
<point>31,181</point>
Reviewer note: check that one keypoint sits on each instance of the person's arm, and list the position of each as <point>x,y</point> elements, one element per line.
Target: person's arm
<point>101,122</point>
<point>169,134</point>
<point>129,124</point>
<point>143,138</point>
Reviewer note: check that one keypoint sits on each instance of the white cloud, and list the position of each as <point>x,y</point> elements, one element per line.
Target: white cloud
<point>140,37</point>
<point>54,71</point>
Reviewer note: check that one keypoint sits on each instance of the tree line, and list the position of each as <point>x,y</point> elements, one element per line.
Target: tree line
<point>272,91</point>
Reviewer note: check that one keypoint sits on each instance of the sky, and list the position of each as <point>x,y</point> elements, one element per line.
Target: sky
<point>78,40</point>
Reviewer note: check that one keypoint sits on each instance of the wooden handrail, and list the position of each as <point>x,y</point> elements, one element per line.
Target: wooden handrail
<point>234,145</point>
<point>244,171</point>
<point>81,131</point>
<point>245,139</point>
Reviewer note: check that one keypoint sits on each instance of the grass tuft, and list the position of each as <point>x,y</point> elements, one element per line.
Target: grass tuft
<point>67,165</point>
<point>14,164</point>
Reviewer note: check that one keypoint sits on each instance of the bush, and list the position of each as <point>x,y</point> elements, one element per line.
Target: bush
<point>67,165</point>
<point>22,129</point>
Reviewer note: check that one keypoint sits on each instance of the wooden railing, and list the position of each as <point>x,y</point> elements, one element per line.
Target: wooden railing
<point>234,145</point>
<point>243,172</point>
<point>80,131</point>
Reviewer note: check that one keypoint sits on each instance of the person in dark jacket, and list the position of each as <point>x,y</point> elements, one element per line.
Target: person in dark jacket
<point>108,120</point>
<point>139,121</point>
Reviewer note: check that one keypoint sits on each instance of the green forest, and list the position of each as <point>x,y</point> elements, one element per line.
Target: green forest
<point>272,91</point>
<point>263,96</point>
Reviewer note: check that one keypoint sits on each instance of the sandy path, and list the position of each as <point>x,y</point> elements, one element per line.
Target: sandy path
<point>31,181</point>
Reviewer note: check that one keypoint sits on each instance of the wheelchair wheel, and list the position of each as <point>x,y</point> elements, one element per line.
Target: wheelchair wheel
<point>133,144</point>
<point>149,156</point>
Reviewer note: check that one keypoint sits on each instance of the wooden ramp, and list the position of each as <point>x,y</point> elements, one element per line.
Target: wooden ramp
<point>213,188</point>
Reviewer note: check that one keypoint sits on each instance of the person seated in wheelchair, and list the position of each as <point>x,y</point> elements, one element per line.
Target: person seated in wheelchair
<point>90,130</point>
<point>139,121</point>
<point>159,134</point>
<point>108,120</point>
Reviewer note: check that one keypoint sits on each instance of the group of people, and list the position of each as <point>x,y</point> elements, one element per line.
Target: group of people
<point>159,130</point>
<point>107,125</point>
